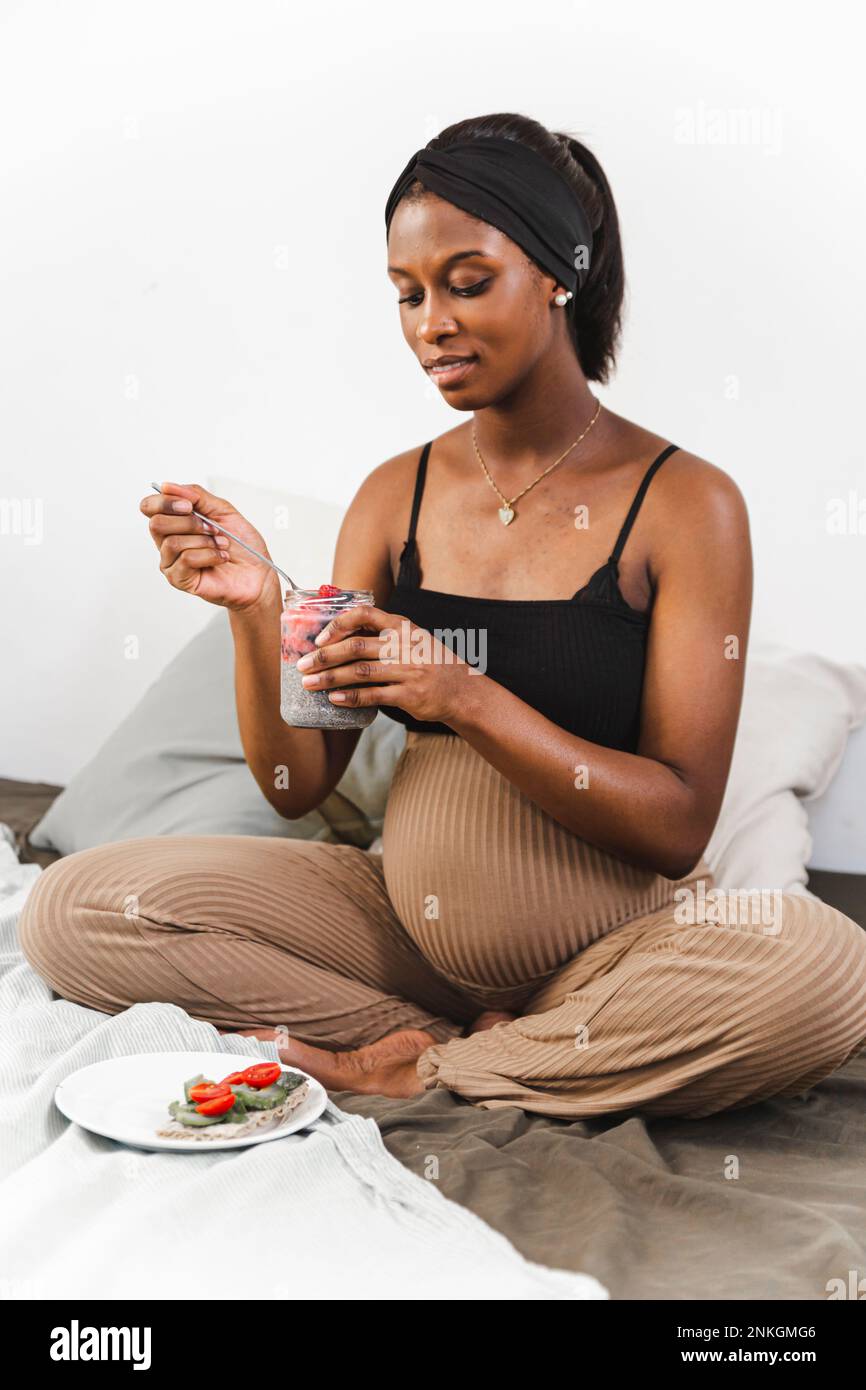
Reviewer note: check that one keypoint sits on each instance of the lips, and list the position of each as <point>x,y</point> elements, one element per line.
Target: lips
<point>449,369</point>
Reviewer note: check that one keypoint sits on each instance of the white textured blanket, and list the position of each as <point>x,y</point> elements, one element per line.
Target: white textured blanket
<point>326,1213</point>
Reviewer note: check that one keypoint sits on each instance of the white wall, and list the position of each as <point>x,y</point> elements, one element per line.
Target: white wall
<point>192,257</point>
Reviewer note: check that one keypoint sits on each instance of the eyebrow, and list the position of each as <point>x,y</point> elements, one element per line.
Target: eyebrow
<point>457,256</point>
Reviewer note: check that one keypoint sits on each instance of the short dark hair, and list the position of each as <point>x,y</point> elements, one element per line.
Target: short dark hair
<point>595,312</point>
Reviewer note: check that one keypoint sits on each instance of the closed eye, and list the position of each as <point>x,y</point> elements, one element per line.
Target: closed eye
<point>465,291</point>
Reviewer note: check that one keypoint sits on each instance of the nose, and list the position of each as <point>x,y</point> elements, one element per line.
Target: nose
<point>432,323</point>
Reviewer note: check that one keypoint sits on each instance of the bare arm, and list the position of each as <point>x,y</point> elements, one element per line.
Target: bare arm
<point>311,760</point>
<point>656,807</point>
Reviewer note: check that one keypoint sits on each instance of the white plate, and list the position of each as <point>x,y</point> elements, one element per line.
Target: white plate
<point>126,1098</point>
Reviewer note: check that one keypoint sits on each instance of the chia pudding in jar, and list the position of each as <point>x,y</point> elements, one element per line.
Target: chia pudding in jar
<point>305,613</point>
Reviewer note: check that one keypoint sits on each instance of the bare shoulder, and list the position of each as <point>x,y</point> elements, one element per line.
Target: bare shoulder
<point>692,504</point>
<point>390,483</point>
<point>375,524</point>
<point>687,477</point>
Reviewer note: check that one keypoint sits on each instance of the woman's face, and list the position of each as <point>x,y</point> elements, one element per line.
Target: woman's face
<point>467,291</point>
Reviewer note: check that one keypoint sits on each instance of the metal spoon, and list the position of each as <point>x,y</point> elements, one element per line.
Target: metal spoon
<point>264,559</point>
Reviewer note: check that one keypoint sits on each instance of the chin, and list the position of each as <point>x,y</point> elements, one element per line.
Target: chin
<point>474,397</point>
<point>466,401</point>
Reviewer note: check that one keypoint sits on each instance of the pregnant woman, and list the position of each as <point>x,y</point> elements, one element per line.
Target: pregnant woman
<point>534,933</point>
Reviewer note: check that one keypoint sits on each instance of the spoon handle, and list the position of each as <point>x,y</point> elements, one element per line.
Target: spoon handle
<point>264,559</point>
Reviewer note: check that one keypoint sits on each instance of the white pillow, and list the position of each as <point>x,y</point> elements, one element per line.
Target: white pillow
<point>837,818</point>
<point>798,710</point>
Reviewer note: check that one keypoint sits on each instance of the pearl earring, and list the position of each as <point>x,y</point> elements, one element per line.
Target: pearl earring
<point>562,298</point>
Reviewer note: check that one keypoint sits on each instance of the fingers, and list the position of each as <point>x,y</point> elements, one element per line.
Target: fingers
<point>171,514</point>
<point>165,521</point>
<point>162,525</point>
<point>175,496</point>
<point>171,511</point>
<point>336,653</point>
<point>355,671</point>
<point>363,615</point>
<point>368,695</point>
<point>180,556</point>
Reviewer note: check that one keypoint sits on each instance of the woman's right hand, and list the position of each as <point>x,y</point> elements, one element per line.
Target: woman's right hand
<point>201,561</point>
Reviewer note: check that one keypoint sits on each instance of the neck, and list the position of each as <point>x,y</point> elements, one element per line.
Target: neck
<point>530,427</point>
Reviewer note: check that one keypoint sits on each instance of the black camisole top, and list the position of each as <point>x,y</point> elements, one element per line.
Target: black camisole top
<point>579,661</point>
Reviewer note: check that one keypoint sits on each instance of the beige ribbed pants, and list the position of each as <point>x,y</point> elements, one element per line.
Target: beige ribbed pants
<point>632,990</point>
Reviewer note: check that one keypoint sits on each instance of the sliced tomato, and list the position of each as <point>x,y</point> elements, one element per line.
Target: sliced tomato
<point>209,1090</point>
<point>235,1078</point>
<point>217,1105</point>
<point>262,1074</point>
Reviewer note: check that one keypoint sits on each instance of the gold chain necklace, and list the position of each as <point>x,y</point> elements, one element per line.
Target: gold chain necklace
<point>506,511</point>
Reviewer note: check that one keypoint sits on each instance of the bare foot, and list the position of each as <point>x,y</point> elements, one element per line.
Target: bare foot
<point>489,1019</point>
<point>383,1068</point>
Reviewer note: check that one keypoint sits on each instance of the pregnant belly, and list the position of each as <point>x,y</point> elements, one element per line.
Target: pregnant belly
<point>495,893</point>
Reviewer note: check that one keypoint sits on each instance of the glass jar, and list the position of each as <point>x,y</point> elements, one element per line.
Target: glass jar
<point>305,613</point>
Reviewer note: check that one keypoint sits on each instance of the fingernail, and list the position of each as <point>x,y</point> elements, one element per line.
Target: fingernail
<point>309,680</point>
<point>322,637</point>
<point>221,540</point>
<point>183,504</point>
<point>305,662</point>
<point>338,696</point>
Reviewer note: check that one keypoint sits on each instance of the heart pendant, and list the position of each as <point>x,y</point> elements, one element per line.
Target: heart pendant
<point>506,515</point>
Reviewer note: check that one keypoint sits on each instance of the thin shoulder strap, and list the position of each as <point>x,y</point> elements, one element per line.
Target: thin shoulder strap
<point>639,496</point>
<point>409,573</point>
<point>420,479</point>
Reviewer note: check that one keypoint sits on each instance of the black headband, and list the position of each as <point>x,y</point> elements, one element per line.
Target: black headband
<point>510,186</point>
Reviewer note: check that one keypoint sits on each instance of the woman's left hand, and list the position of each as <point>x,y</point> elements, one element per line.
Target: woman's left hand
<point>398,664</point>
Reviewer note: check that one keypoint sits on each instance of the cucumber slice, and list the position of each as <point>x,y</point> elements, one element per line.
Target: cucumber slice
<point>188,1115</point>
<point>274,1095</point>
<point>291,1080</point>
<point>243,1093</point>
<point>265,1099</point>
<point>194,1081</point>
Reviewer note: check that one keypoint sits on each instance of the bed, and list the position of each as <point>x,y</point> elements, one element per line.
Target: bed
<point>762,1203</point>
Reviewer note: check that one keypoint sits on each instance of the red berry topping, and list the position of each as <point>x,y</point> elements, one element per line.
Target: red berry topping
<point>329,591</point>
